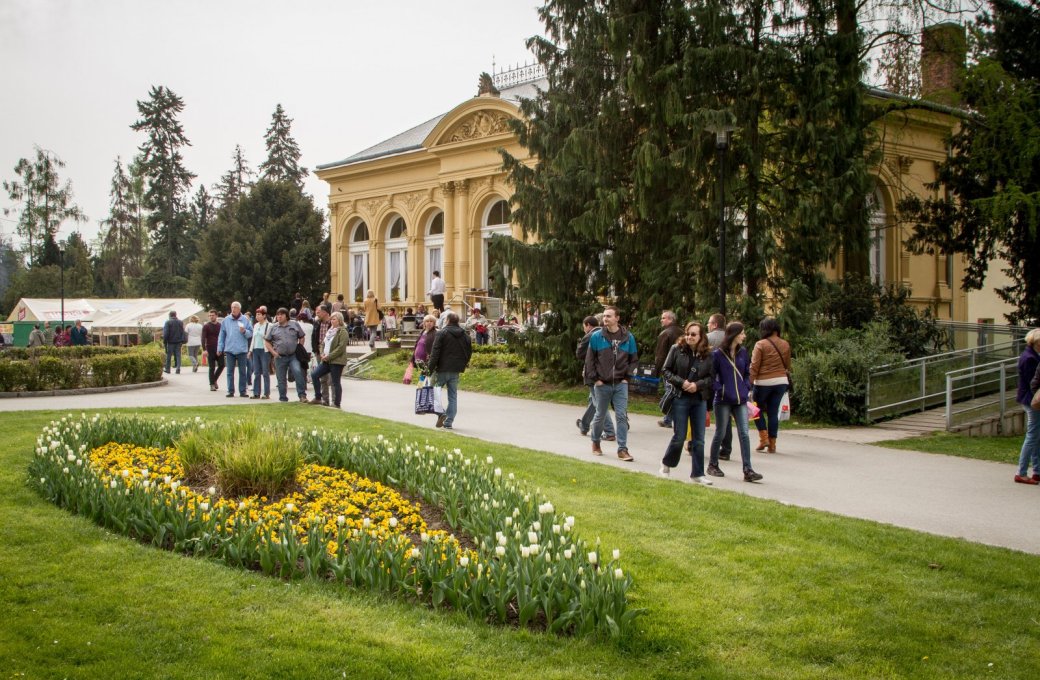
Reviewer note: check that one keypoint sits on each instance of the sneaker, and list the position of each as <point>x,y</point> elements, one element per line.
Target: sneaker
<point>212,388</point>
<point>751,476</point>
<point>254,396</point>
<point>266,396</point>
<point>596,450</point>
<point>229,395</point>
<point>714,471</point>
<point>448,427</point>
<point>317,401</point>
<point>194,369</point>
<point>723,456</point>
<point>1022,479</point>
<point>583,431</point>
<point>283,398</point>
<point>665,470</point>
<point>624,455</point>
<point>440,420</point>
<point>303,399</point>
<point>609,438</point>
<point>663,423</point>
<point>702,480</point>
<point>178,371</point>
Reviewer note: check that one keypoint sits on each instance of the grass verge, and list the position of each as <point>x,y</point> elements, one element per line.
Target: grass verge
<point>998,449</point>
<point>735,587</point>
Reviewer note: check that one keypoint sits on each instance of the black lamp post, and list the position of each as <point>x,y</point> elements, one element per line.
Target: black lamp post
<point>61,255</point>
<point>722,133</point>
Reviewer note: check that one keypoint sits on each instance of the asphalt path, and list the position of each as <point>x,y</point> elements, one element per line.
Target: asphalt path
<point>836,470</point>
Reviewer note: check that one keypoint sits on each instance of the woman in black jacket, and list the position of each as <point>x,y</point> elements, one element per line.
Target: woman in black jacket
<point>688,370</point>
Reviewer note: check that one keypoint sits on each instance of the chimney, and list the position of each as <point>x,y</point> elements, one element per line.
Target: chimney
<point>943,51</point>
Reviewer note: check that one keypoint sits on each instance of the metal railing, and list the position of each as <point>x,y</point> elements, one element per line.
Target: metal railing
<point>920,384</point>
<point>980,391</point>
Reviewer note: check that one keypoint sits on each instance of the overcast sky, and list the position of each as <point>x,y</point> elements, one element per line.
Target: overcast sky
<point>350,73</point>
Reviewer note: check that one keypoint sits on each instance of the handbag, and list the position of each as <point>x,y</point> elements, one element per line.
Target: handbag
<point>408,373</point>
<point>302,355</point>
<point>424,400</point>
<point>666,400</point>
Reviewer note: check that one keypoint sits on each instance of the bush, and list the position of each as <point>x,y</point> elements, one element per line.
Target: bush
<point>830,376</point>
<point>66,368</point>
<point>243,458</point>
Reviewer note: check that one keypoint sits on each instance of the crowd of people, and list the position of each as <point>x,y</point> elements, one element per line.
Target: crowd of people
<point>706,370</point>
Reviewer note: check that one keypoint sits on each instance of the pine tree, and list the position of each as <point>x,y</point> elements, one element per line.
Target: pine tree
<point>200,216</point>
<point>46,204</point>
<point>79,276</point>
<point>122,250</point>
<point>168,184</point>
<point>235,182</point>
<point>987,203</point>
<point>283,154</point>
<point>263,249</point>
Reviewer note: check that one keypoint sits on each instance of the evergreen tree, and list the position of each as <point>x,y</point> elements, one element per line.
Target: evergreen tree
<point>987,203</point>
<point>46,204</point>
<point>200,216</point>
<point>263,249</point>
<point>122,250</point>
<point>79,276</point>
<point>168,184</point>
<point>283,154</point>
<point>235,182</point>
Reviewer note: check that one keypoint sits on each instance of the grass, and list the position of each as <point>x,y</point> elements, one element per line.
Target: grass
<point>998,449</point>
<point>734,587</point>
<point>508,382</point>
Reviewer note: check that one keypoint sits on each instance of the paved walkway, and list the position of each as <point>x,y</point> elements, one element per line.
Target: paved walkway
<point>834,470</point>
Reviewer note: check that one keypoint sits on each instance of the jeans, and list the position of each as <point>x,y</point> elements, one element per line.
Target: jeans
<point>216,366</point>
<point>606,395</point>
<point>261,365</point>
<point>451,381</point>
<point>282,364</point>
<point>173,350</point>
<point>323,369</point>
<point>1031,443</point>
<point>193,354</point>
<point>688,412</point>
<point>590,413</point>
<point>239,359</point>
<point>768,399</point>
<point>482,338</point>
<point>739,413</point>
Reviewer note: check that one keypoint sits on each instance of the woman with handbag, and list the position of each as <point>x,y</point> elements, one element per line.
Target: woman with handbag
<point>689,375</point>
<point>423,348</point>
<point>332,355</point>
<point>731,388</point>
<point>372,317</point>
<point>1028,362</point>
<point>771,378</point>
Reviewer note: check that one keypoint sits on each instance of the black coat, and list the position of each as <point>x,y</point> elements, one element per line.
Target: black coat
<point>681,365</point>
<point>451,350</point>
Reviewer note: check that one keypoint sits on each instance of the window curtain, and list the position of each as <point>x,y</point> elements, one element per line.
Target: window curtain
<point>395,271</point>
<point>359,275</point>
<point>435,261</point>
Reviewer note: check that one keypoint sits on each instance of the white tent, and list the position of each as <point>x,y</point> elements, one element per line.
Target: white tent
<point>107,317</point>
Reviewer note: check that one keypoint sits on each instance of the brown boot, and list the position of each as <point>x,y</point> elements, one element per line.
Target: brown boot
<point>596,450</point>
<point>772,445</point>
<point>763,440</point>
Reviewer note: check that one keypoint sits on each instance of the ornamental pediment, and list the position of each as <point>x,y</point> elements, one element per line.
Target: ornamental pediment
<point>477,126</point>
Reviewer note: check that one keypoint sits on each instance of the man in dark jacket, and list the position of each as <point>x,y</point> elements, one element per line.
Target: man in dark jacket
<point>668,336</point>
<point>590,324</point>
<point>173,337</point>
<point>610,361</point>
<point>449,358</point>
<point>210,336</point>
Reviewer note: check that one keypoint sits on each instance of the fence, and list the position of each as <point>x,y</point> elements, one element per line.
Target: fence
<point>979,391</point>
<point>920,384</point>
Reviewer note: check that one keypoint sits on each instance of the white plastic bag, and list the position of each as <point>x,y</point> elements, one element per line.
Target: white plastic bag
<point>438,400</point>
<point>785,407</point>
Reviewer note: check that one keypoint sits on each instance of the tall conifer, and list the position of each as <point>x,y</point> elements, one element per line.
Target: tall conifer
<point>283,154</point>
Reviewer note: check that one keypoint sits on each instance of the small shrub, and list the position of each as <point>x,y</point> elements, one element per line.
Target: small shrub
<point>243,458</point>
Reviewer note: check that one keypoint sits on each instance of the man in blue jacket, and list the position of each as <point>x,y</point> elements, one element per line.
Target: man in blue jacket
<point>233,343</point>
<point>611,360</point>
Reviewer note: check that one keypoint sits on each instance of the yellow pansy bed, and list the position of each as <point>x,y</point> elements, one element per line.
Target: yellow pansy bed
<point>345,519</point>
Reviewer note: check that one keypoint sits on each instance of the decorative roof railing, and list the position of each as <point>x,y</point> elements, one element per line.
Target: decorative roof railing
<point>527,73</point>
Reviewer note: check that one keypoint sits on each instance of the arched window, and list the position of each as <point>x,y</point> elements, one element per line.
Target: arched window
<point>496,221</point>
<point>358,249</point>
<point>434,243</point>
<point>397,259</point>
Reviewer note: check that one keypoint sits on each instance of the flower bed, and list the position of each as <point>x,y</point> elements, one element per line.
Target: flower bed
<point>528,566</point>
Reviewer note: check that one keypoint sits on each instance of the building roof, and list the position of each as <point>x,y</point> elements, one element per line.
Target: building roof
<point>106,313</point>
<point>412,139</point>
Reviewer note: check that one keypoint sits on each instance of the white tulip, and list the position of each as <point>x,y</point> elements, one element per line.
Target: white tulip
<point>500,551</point>
<point>617,554</point>
<point>463,561</point>
<point>341,520</point>
<point>593,558</point>
<point>618,574</point>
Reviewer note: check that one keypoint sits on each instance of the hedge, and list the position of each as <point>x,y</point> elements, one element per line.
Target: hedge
<point>66,368</point>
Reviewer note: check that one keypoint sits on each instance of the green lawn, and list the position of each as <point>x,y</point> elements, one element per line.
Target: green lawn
<point>734,587</point>
<point>999,449</point>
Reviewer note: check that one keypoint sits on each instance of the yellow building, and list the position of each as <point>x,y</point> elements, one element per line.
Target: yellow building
<point>430,198</point>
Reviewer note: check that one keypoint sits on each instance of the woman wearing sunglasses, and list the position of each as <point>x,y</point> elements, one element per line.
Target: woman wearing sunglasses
<point>688,370</point>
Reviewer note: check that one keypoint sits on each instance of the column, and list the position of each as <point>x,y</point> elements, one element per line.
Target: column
<point>448,253</point>
<point>460,235</point>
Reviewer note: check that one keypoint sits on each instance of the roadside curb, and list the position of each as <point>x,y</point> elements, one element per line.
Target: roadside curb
<point>83,390</point>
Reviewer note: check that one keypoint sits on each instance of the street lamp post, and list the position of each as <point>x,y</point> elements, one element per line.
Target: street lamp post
<point>722,133</point>
<point>61,254</point>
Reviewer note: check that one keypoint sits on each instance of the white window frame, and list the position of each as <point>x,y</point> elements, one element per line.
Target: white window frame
<point>486,232</point>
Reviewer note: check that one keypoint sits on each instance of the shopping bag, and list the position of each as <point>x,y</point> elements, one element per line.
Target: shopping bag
<point>785,407</point>
<point>438,400</point>
<point>424,400</point>
<point>408,373</point>
<point>752,410</point>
